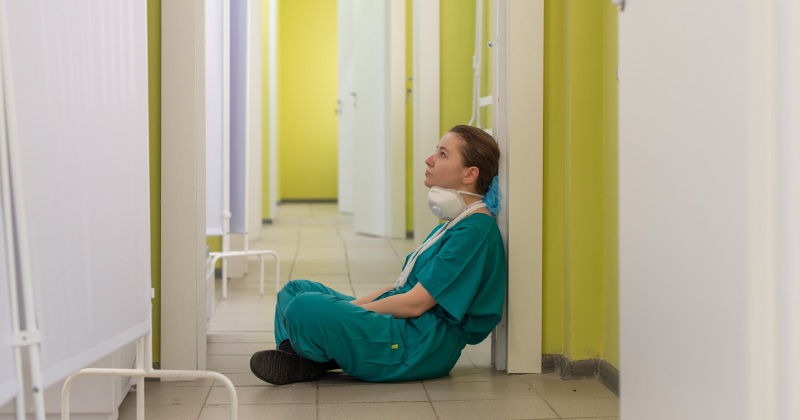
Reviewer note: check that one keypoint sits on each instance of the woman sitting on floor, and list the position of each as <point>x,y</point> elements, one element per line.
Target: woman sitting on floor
<point>450,292</point>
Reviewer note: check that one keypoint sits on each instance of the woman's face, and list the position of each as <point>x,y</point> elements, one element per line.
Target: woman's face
<point>446,167</point>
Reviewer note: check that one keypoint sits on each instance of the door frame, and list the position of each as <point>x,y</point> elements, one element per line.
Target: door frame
<point>517,125</point>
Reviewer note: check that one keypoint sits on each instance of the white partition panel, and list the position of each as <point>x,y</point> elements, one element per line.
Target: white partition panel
<point>8,377</point>
<point>213,19</point>
<point>238,115</point>
<point>79,77</point>
<point>215,81</point>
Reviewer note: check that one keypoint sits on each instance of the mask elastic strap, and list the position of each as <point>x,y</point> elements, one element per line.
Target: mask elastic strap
<point>401,281</point>
<point>469,193</point>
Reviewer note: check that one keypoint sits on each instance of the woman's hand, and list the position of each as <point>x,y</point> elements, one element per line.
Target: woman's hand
<point>370,297</point>
<point>412,304</point>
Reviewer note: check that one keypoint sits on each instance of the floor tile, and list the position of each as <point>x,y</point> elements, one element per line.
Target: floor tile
<point>227,363</point>
<point>262,412</point>
<point>254,325</point>
<point>266,394</point>
<point>388,277</point>
<point>167,383</point>
<point>382,411</point>
<point>492,390</point>
<point>591,418</point>
<point>475,374</point>
<point>551,385</point>
<point>369,269</point>
<point>240,349</point>
<point>494,409</point>
<point>321,267</point>
<point>369,392</point>
<point>241,379</point>
<point>480,354</point>
<point>240,337</point>
<point>170,395</point>
<point>578,406</point>
<point>162,412</point>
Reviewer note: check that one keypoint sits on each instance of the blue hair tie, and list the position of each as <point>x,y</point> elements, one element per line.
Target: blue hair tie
<point>492,197</point>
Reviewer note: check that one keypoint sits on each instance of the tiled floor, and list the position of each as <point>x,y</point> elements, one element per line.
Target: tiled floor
<point>315,242</point>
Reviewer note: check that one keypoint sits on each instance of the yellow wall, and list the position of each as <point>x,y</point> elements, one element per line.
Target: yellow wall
<point>457,32</point>
<point>307,74</point>
<point>580,308</point>
<point>610,136</point>
<point>584,181</point>
<point>553,211</point>
<point>154,112</point>
<point>457,20</point>
<point>486,63</point>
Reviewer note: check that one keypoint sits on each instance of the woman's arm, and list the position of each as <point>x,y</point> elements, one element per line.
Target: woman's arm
<point>370,297</point>
<point>407,305</point>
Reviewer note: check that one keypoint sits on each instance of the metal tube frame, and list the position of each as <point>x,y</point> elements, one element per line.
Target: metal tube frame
<point>144,357</point>
<point>216,256</point>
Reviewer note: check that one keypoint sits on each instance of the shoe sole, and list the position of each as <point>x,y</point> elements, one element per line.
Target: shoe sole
<point>280,368</point>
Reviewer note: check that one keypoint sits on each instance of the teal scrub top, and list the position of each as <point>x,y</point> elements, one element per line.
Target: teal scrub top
<point>465,272</point>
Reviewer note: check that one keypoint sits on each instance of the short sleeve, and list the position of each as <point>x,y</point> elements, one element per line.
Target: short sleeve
<point>454,274</point>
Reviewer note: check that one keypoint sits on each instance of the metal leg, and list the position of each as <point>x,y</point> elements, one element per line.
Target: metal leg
<point>261,283</point>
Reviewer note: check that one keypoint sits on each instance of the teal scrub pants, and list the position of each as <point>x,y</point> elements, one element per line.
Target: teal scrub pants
<point>322,324</point>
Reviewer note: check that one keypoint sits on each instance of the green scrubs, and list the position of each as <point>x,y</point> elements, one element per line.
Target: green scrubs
<point>465,272</point>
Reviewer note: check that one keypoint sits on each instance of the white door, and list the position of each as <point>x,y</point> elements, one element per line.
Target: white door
<point>372,119</point>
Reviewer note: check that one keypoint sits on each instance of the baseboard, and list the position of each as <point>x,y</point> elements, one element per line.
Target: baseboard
<point>576,369</point>
<point>568,369</point>
<point>608,375</point>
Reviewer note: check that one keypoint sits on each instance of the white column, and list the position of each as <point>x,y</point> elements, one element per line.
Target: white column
<point>182,186</point>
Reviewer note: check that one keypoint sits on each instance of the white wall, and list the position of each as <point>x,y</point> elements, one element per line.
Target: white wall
<point>708,210</point>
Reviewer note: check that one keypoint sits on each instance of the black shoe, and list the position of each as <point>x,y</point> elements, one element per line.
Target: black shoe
<point>279,367</point>
<point>286,346</point>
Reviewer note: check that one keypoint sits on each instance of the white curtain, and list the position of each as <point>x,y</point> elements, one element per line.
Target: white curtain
<point>238,111</point>
<point>79,77</point>
<point>214,115</point>
<point>214,143</point>
<point>8,378</point>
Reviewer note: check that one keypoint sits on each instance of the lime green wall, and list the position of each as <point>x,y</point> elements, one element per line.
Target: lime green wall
<point>583,147</point>
<point>214,244</point>
<point>580,309</point>
<point>553,211</point>
<point>486,63</point>
<point>307,125</point>
<point>265,204</point>
<point>610,137</point>
<point>154,113</point>
<point>457,32</point>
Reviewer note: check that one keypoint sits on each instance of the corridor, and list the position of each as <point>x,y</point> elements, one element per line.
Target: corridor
<point>315,242</point>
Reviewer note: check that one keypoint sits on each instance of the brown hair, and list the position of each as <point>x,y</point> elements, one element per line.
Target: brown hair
<point>479,149</point>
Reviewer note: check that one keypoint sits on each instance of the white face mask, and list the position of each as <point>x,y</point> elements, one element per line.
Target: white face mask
<point>446,203</point>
